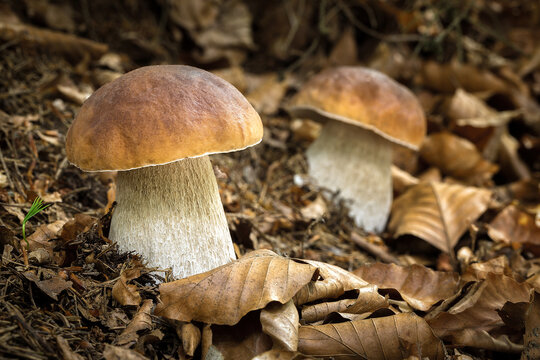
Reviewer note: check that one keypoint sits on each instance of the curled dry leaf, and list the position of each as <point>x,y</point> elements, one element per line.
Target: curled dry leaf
<point>334,282</point>
<point>391,337</point>
<point>141,321</point>
<point>280,322</point>
<point>266,97</point>
<point>190,336</point>
<point>225,294</point>
<point>477,310</point>
<point>532,330</point>
<point>368,301</point>
<point>124,293</point>
<point>457,157</point>
<point>419,286</point>
<point>483,340</point>
<point>480,270</point>
<point>515,226</point>
<point>438,213</point>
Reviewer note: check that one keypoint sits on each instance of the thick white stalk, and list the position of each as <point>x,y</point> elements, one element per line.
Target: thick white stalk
<point>356,163</point>
<point>172,215</point>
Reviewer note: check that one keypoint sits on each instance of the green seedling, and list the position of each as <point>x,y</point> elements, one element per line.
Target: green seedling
<point>36,208</point>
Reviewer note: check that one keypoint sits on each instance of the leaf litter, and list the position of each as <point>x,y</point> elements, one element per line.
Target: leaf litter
<point>461,248</point>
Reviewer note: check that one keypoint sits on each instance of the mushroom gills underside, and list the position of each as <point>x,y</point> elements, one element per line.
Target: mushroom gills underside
<point>355,163</point>
<point>172,216</point>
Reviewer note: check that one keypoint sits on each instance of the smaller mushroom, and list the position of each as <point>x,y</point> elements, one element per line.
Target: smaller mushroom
<point>156,126</point>
<point>364,112</point>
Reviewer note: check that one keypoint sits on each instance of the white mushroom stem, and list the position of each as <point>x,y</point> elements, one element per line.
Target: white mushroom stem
<point>172,215</point>
<point>355,163</point>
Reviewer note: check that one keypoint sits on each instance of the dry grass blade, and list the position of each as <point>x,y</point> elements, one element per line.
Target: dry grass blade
<point>457,157</point>
<point>438,213</point>
<point>392,337</point>
<point>224,295</point>
<point>419,286</point>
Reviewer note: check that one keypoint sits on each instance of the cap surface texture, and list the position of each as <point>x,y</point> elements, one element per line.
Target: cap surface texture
<point>159,114</point>
<point>365,98</point>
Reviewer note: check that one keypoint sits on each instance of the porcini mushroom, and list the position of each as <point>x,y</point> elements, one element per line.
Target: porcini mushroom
<point>157,125</point>
<point>365,112</point>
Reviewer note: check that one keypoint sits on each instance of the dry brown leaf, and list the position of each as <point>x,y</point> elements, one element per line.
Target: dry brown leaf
<point>532,330</point>
<point>477,310</point>
<point>457,157</point>
<point>314,210</point>
<point>480,270</point>
<point>419,286</point>
<point>190,336</point>
<point>391,337</point>
<point>515,226</point>
<point>52,285</point>
<point>124,293</point>
<point>368,301</point>
<point>118,353</point>
<point>483,340</point>
<point>451,76</point>
<point>280,322</point>
<point>225,294</point>
<point>334,282</point>
<point>278,355</point>
<point>438,213</point>
<point>401,180</point>
<point>141,321</point>
<point>266,97</point>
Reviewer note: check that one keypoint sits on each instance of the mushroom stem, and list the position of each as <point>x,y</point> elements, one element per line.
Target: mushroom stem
<point>172,214</point>
<point>355,162</point>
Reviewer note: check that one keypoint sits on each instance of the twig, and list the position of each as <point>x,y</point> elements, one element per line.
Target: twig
<point>374,249</point>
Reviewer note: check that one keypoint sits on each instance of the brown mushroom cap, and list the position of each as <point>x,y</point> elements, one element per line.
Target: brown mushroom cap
<point>365,98</point>
<point>159,114</point>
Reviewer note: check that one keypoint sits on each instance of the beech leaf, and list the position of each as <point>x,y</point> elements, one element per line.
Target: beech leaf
<point>457,157</point>
<point>225,294</point>
<point>419,286</point>
<point>280,322</point>
<point>515,226</point>
<point>438,213</point>
<point>391,337</point>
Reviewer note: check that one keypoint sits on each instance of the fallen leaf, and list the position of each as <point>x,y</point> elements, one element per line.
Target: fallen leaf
<point>266,97</point>
<point>483,340</point>
<point>368,301</point>
<point>124,293</point>
<point>141,321</point>
<point>278,355</point>
<point>532,330</point>
<point>451,76</point>
<point>334,282</point>
<point>477,310</point>
<point>191,338</point>
<point>457,157</point>
<point>514,226</point>
<point>280,322</point>
<point>52,286</point>
<point>438,213</point>
<point>225,294</point>
<point>391,337</point>
<point>314,210</point>
<point>418,285</point>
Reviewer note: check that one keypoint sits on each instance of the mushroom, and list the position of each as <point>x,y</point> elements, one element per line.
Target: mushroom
<point>365,112</point>
<point>157,125</point>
